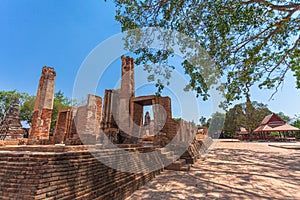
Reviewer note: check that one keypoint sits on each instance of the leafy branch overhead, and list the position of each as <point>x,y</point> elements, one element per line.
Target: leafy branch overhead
<point>252,41</point>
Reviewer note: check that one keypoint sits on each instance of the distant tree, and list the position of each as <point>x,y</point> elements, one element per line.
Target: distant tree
<point>284,117</point>
<point>7,98</point>
<point>248,115</point>
<point>235,118</point>
<point>216,124</point>
<point>204,122</point>
<point>177,119</point>
<point>26,110</point>
<point>296,123</point>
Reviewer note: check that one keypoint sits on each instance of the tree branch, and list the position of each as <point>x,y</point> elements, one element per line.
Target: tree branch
<point>284,8</point>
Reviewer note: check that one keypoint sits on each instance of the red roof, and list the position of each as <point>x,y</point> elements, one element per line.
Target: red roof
<point>285,127</point>
<point>272,119</point>
<point>263,128</point>
<point>274,123</point>
<point>242,131</point>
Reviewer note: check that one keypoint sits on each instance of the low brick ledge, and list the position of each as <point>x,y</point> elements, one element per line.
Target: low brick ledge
<point>65,172</point>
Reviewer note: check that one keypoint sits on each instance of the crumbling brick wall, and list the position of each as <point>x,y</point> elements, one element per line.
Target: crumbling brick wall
<point>80,125</point>
<point>63,126</point>
<point>110,109</point>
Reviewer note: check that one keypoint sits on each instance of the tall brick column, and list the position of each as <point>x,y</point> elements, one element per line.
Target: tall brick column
<point>40,126</point>
<point>126,92</point>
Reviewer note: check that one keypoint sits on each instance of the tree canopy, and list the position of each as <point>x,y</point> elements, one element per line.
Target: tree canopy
<point>251,41</point>
<point>248,115</point>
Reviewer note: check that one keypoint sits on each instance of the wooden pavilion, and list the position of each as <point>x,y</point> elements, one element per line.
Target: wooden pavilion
<point>243,134</point>
<point>273,123</point>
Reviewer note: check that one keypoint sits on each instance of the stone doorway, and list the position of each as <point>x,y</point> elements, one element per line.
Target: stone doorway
<point>160,114</point>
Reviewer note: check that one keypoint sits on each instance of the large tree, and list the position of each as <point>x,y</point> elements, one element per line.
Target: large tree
<point>250,40</point>
<point>247,115</point>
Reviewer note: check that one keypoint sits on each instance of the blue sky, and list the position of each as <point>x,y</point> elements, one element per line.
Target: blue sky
<point>62,33</point>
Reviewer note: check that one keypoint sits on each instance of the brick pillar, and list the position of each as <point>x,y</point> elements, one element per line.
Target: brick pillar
<point>40,126</point>
<point>126,92</point>
<point>162,118</point>
<point>137,119</point>
<point>110,109</point>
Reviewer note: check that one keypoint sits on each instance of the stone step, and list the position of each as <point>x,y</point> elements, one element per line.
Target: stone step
<point>147,143</point>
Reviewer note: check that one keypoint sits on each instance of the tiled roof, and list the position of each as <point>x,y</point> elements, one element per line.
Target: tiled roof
<point>274,123</point>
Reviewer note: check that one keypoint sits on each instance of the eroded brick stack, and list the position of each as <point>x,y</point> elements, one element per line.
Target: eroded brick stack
<point>196,149</point>
<point>11,128</point>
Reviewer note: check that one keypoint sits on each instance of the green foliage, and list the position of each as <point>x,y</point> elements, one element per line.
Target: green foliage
<point>248,115</point>
<point>251,41</point>
<point>7,98</point>
<point>177,119</point>
<point>27,105</point>
<point>275,134</point>
<point>204,122</point>
<point>284,117</point>
<point>26,110</point>
<point>296,123</point>
<point>216,124</point>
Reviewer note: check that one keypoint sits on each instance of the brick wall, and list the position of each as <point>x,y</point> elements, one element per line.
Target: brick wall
<point>137,114</point>
<point>61,173</point>
<point>83,121</point>
<point>40,127</point>
<point>64,121</point>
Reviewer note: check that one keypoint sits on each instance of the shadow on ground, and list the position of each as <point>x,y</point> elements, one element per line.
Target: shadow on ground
<point>232,173</point>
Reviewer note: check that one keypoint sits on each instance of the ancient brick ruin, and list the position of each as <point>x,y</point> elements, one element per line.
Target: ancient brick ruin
<point>64,172</point>
<point>79,125</point>
<point>11,128</point>
<point>120,117</point>
<point>41,121</point>
<point>70,170</point>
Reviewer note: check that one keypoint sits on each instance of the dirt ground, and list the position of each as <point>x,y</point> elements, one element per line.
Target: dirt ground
<point>232,170</point>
